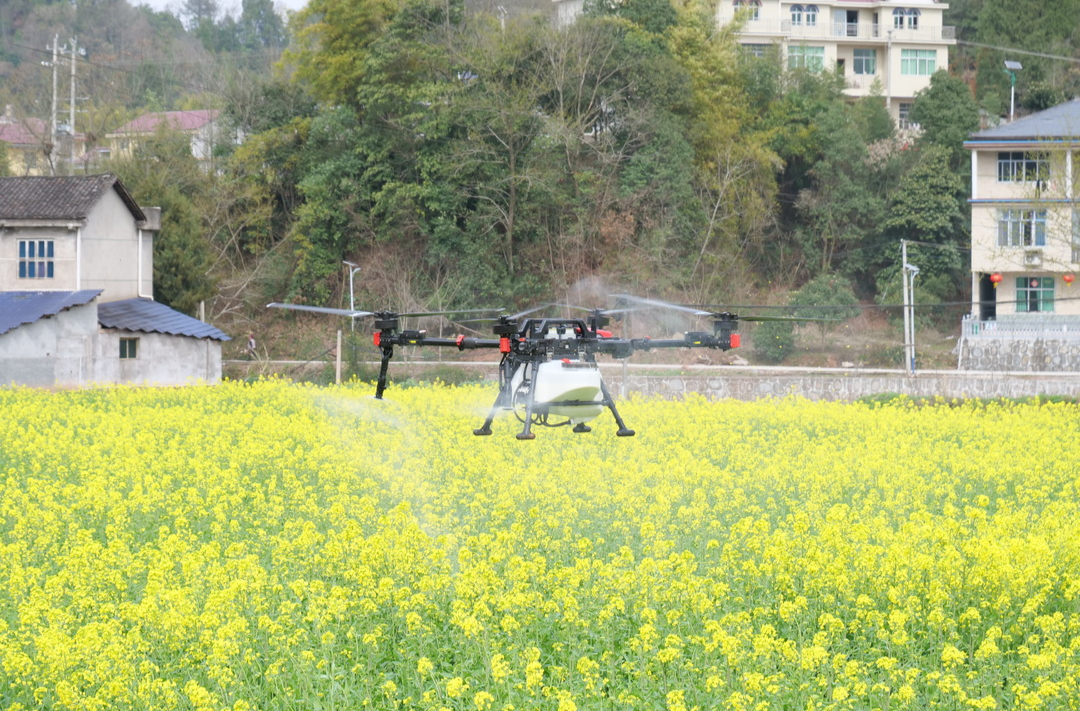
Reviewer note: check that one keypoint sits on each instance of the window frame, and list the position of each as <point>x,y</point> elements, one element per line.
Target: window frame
<point>753,5</point>
<point>129,348</point>
<point>1037,298</point>
<point>1023,166</point>
<point>796,15</point>
<point>798,59</point>
<point>860,62</point>
<point>918,62</point>
<point>1075,241</point>
<point>913,16</point>
<point>899,18</point>
<point>34,265</point>
<point>811,14</point>
<point>1019,227</point>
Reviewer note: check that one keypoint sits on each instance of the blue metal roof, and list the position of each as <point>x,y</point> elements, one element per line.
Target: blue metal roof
<point>152,317</point>
<point>1058,122</point>
<point>18,308</point>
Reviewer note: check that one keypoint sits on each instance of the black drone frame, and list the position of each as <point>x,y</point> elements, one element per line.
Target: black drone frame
<point>526,343</point>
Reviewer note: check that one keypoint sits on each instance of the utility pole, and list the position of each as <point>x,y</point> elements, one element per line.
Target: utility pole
<point>71,112</point>
<point>908,271</point>
<point>52,114</point>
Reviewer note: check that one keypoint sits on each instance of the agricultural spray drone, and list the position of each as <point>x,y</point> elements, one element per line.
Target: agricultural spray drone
<point>548,374</point>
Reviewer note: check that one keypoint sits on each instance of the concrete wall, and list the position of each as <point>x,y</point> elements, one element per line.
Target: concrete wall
<point>71,350</point>
<point>63,240</point>
<point>1045,355</point>
<point>110,250</point>
<point>57,350</point>
<point>161,359</point>
<point>828,386</point>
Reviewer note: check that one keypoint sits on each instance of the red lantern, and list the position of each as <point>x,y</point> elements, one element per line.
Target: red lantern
<point>995,279</point>
<point>1068,279</point>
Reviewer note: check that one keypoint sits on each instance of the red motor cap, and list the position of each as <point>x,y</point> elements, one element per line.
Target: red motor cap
<point>736,340</point>
<point>376,338</point>
<point>504,345</point>
<point>602,333</point>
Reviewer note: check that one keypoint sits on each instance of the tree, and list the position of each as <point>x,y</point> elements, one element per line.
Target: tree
<point>842,208</point>
<point>332,38</point>
<point>163,173</point>
<point>826,296</point>
<point>927,208</point>
<point>199,11</point>
<point>260,26</point>
<point>947,114</point>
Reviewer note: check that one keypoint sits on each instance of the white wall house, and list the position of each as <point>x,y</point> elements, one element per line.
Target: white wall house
<point>1025,243</point>
<point>896,43</point>
<point>76,290</point>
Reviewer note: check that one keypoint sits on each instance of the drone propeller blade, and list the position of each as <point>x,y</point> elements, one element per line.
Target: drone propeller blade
<point>784,318</point>
<point>604,312</point>
<point>662,304</point>
<point>522,314</point>
<point>320,310</point>
<point>415,314</point>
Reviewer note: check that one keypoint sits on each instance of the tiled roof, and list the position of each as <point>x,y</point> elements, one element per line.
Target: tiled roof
<point>177,120</point>
<point>18,308</point>
<point>24,133</point>
<point>61,197</point>
<point>153,317</point>
<point>1057,122</point>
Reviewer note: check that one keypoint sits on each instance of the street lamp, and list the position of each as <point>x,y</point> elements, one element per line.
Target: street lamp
<point>353,269</point>
<point>1011,68</point>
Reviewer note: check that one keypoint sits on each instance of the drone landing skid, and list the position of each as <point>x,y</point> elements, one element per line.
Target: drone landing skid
<point>504,400</point>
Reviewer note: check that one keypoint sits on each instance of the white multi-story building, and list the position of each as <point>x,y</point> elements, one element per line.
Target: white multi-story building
<point>896,43</point>
<point>1025,243</point>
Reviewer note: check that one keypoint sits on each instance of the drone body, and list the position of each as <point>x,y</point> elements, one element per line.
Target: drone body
<point>548,375</point>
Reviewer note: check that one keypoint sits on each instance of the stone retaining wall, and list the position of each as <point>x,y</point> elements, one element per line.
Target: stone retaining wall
<point>1034,354</point>
<point>751,386</point>
<point>752,383</point>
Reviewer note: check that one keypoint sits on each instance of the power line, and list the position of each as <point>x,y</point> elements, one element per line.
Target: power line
<point>1013,50</point>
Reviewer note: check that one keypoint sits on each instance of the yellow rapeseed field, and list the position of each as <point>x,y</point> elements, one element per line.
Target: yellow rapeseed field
<point>276,546</point>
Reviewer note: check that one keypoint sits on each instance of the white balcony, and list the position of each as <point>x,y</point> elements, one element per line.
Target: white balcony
<point>844,31</point>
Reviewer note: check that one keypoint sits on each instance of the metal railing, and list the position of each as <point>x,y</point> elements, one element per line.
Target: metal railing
<point>1060,328</point>
<point>825,29</point>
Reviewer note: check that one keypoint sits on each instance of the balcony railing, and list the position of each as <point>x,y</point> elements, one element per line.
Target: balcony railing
<point>1045,326</point>
<point>826,30</point>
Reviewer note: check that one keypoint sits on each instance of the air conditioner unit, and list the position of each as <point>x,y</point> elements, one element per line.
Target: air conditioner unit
<point>1033,258</point>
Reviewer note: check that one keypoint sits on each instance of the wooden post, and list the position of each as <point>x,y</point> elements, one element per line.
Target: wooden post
<point>337,378</point>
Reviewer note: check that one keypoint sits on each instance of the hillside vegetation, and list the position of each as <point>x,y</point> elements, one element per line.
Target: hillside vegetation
<point>463,156</point>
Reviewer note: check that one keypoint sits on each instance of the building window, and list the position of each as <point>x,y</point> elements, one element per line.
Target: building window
<point>812,58</point>
<point>36,259</point>
<point>918,62</point>
<point>1076,236</point>
<point>757,50</point>
<point>1034,294</point>
<point>753,5</point>
<point>865,61</point>
<point>129,348</point>
<point>903,116</point>
<point>1022,228</point>
<point>811,15</point>
<point>913,19</point>
<point>899,16</point>
<point>796,15</point>
<point>1022,167</point>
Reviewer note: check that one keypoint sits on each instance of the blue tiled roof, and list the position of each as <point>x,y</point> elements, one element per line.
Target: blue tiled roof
<point>1058,122</point>
<point>18,308</point>
<point>152,317</point>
